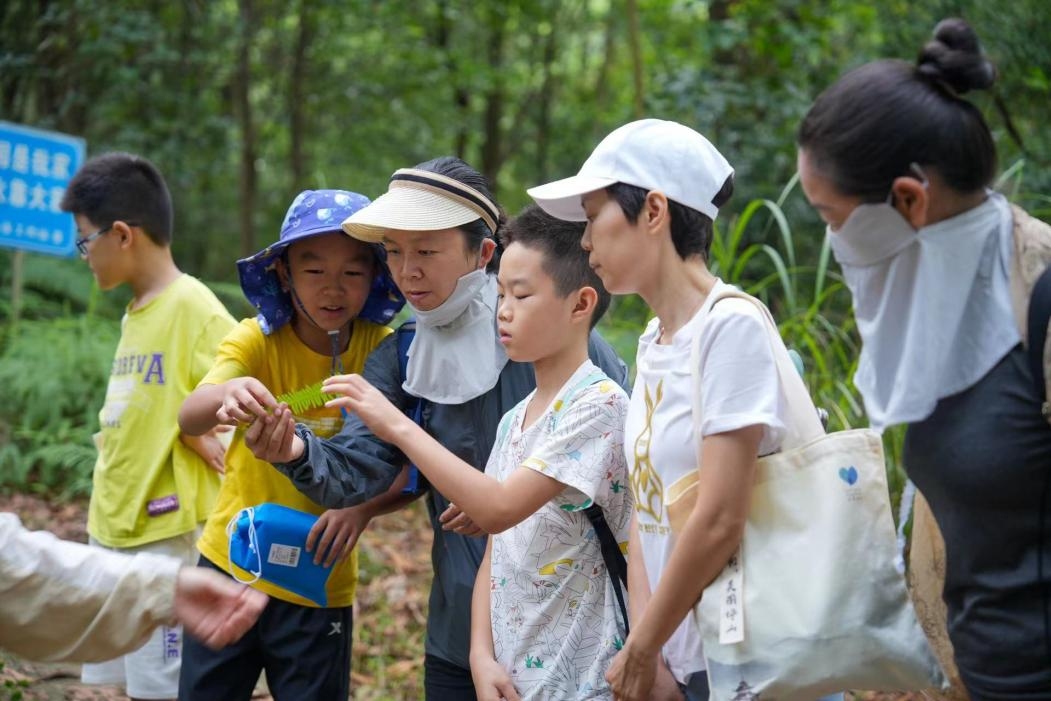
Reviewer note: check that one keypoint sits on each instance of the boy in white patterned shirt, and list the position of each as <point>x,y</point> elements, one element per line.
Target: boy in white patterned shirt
<point>545,619</point>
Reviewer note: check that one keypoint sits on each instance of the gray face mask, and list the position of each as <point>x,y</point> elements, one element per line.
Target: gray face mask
<point>873,233</point>
<point>917,294</point>
<point>456,354</point>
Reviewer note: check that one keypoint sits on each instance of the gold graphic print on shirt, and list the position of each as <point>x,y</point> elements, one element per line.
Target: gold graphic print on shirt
<point>645,482</point>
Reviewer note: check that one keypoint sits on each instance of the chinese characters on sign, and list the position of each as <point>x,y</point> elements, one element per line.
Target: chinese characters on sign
<point>35,168</point>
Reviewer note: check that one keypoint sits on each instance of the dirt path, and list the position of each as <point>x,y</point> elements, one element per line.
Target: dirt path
<point>389,615</point>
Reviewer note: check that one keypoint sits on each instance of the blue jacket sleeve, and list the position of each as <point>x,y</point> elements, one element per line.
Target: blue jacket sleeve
<point>352,466</point>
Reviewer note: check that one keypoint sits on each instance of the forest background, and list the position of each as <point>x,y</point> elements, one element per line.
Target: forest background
<point>243,103</point>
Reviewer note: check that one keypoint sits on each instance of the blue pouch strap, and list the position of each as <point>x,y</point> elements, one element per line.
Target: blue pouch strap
<point>405,333</point>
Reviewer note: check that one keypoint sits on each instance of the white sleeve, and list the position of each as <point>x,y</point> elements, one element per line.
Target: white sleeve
<point>68,601</point>
<point>739,382</point>
<point>585,442</point>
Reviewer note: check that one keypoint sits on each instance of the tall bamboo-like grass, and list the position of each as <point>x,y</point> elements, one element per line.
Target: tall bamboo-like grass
<point>808,299</point>
<point>811,305</point>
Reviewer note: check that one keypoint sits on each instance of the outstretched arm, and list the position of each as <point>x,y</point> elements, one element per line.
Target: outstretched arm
<point>345,469</point>
<point>240,400</point>
<point>67,601</point>
<point>493,505</point>
<point>215,609</point>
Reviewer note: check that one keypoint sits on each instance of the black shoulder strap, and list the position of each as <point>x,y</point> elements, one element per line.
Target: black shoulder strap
<point>616,564</point>
<point>1038,316</point>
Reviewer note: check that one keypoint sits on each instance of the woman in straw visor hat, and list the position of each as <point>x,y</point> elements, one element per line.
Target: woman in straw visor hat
<point>438,222</point>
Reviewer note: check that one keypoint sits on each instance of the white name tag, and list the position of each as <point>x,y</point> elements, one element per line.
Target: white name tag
<point>731,605</point>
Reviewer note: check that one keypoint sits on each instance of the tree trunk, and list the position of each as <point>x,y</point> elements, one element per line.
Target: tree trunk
<point>242,85</point>
<point>461,98</point>
<point>636,57</point>
<point>609,53</point>
<point>296,97</point>
<point>719,11</point>
<point>545,98</point>
<point>492,146</point>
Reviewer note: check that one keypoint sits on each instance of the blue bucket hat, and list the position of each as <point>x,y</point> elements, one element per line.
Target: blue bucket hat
<point>312,213</point>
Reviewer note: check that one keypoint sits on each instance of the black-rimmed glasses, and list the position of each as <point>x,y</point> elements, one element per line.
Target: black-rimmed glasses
<point>82,243</point>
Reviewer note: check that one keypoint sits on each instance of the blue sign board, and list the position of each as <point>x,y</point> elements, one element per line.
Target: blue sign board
<point>35,168</point>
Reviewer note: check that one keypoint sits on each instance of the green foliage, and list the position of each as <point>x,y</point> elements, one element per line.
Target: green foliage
<point>340,94</point>
<point>54,375</point>
<point>11,689</point>
<point>809,301</point>
<point>56,287</point>
<point>812,307</point>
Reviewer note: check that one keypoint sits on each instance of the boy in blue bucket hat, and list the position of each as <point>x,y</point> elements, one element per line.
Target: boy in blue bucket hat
<point>323,301</point>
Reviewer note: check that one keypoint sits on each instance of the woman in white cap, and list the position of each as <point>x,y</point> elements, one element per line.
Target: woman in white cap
<point>438,222</point>
<point>650,192</point>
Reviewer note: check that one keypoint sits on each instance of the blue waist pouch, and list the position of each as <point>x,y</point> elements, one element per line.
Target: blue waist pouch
<point>269,541</point>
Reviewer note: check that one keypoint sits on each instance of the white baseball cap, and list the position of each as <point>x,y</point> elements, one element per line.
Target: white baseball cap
<point>653,154</point>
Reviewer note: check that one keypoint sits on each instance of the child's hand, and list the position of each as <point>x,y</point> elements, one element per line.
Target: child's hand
<point>492,682</point>
<point>382,417</point>
<point>209,446</point>
<point>455,520</point>
<point>272,437</point>
<point>338,530</point>
<point>244,400</point>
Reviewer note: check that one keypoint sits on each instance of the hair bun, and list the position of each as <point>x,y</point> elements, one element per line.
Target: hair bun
<point>954,57</point>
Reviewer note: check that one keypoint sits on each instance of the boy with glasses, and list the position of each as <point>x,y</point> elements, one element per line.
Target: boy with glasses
<point>152,486</point>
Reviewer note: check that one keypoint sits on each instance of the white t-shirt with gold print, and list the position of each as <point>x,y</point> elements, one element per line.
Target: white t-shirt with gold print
<point>739,387</point>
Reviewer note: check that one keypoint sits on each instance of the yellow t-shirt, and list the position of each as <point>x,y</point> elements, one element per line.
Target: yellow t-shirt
<point>147,485</point>
<point>284,364</point>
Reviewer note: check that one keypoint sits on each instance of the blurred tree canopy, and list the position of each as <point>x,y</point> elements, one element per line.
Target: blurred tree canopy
<point>242,103</point>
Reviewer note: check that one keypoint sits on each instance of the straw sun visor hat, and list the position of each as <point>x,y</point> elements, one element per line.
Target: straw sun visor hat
<point>653,154</point>
<point>419,200</point>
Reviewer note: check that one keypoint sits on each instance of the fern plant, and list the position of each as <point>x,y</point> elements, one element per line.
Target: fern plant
<point>305,399</point>
<point>54,374</point>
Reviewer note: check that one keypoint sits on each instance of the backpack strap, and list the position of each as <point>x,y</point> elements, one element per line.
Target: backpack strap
<point>405,333</point>
<point>616,563</point>
<point>1038,317</point>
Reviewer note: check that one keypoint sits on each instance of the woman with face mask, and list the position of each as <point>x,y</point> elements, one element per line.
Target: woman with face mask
<point>898,163</point>
<point>438,222</point>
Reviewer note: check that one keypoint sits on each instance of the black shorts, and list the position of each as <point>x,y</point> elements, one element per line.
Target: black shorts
<point>304,650</point>
<point>444,681</point>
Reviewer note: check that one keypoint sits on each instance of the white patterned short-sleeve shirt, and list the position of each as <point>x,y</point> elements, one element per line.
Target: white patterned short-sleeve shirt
<point>556,622</point>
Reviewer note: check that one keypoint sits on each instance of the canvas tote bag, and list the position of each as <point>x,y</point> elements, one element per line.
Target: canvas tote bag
<point>811,603</point>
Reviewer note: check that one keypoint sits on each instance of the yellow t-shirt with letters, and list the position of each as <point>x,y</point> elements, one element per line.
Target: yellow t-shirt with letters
<point>283,363</point>
<point>147,486</point>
